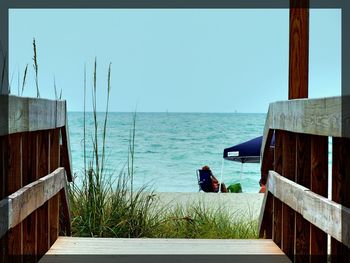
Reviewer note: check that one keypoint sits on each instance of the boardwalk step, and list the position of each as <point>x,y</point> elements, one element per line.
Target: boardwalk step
<point>253,250</point>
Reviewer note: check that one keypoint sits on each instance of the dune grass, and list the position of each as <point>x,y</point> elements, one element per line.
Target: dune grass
<point>36,68</point>
<point>199,221</point>
<point>104,204</point>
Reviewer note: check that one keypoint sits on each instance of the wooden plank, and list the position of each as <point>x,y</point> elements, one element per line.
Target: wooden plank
<point>43,228</point>
<point>310,116</point>
<point>277,204</point>
<point>3,218</point>
<point>288,214</point>
<point>14,182</point>
<point>61,113</point>
<point>30,170</point>
<point>265,218</point>
<point>30,197</point>
<point>155,246</point>
<point>32,114</point>
<point>4,214</point>
<point>329,216</point>
<point>267,136</point>
<point>298,49</point>
<point>2,168</point>
<point>319,185</point>
<point>302,177</point>
<point>66,227</point>
<point>66,159</point>
<point>341,195</point>
<point>265,154</point>
<point>54,201</point>
<point>4,208</point>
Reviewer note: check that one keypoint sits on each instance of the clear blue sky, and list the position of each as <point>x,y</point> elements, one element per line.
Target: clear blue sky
<point>180,60</point>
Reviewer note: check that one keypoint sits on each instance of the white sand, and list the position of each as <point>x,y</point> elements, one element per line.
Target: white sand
<point>244,204</point>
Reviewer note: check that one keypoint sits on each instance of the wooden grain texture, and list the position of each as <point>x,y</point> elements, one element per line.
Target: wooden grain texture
<point>298,49</point>
<point>30,170</point>
<point>302,177</point>
<point>319,185</point>
<point>61,113</point>
<point>3,218</point>
<point>341,194</point>
<point>155,246</point>
<point>54,201</point>
<point>43,228</point>
<point>309,116</point>
<point>32,114</point>
<point>266,155</point>
<point>66,226</point>
<point>288,214</point>
<point>3,168</point>
<point>277,204</point>
<point>345,111</point>
<point>14,182</point>
<point>329,216</point>
<point>66,159</point>
<point>30,197</point>
<point>265,217</point>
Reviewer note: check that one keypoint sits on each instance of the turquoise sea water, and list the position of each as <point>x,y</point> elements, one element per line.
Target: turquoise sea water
<point>170,147</point>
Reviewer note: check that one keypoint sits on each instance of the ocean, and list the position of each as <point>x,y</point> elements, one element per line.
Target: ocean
<point>170,147</point>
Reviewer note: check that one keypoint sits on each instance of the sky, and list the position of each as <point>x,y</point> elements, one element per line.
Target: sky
<point>176,60</point>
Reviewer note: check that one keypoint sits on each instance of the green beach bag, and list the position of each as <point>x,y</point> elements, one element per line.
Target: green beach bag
<point>234,188</point>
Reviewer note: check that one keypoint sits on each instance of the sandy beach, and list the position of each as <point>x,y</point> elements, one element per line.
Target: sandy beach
<point>247,205</point>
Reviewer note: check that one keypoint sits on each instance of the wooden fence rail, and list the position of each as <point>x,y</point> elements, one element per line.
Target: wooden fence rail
<point>33,145</point>
<point>296,212</point>
<point>323,213</point>
<point>19,205</point>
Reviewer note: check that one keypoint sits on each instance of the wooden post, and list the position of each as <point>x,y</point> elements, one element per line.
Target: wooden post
<point>303,169</point>
<point>277,204</point>
<point>340,190</point>
<point>319,185</point>
<point>298,88</point>
<point>298,49</point>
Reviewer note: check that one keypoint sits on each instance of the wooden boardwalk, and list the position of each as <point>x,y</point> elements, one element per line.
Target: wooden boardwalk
<point>69,246</point>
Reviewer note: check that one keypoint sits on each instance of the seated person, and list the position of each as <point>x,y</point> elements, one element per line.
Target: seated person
<point>262,186</point>
<point>215,182</point>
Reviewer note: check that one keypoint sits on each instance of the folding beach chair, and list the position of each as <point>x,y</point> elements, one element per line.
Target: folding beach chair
<point>204,180</point>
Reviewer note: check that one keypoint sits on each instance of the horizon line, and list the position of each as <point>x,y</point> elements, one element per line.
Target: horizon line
<point>198,112</point>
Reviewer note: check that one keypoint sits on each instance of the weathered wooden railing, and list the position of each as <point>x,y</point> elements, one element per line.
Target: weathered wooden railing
<point>296,212</point>
<point>34,161</point>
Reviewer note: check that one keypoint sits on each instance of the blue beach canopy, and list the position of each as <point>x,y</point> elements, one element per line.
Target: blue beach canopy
<point>247,152</point>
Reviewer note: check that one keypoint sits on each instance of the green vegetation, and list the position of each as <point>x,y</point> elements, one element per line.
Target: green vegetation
<point>24,79</point>
<point>199,221</point>
<point>107,205</point>
<point>36,69</point>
